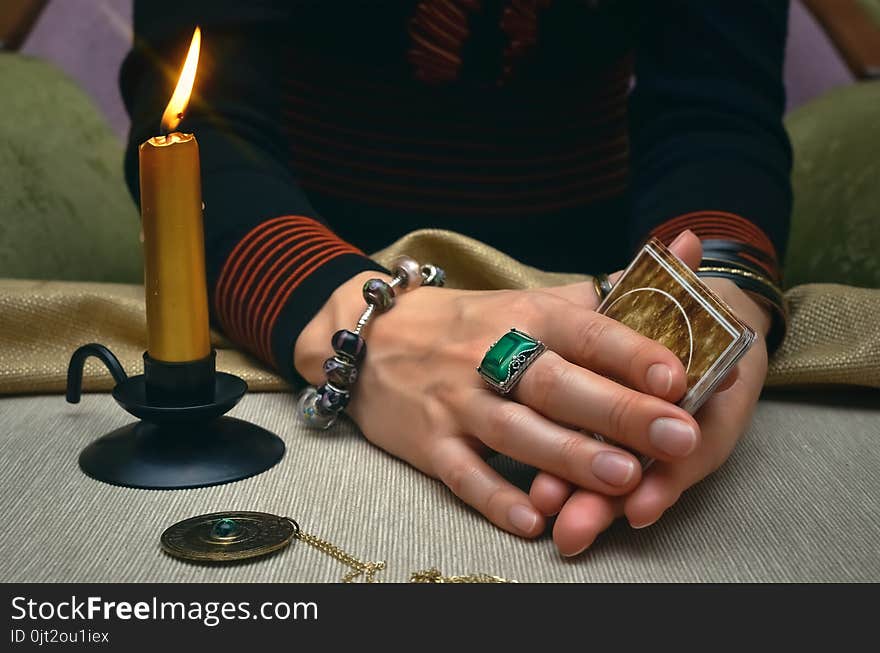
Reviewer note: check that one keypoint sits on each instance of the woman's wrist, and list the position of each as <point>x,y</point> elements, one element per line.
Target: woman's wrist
<point>340,311</point>
<point>760,314</point>
<point>756,313</point>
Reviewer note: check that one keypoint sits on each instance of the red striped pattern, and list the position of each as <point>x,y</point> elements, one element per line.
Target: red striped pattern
<point>262,272</point>
<point>725,226</point>
<point>392,146</point>
<point>439,29</point>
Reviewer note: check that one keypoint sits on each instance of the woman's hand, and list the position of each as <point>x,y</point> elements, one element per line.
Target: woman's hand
<point>419,397</point>
<point>583,514</point>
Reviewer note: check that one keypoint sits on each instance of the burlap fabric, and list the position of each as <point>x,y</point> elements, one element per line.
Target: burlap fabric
<point>834,335</point>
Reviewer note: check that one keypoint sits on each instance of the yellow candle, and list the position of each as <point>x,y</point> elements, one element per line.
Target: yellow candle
<point>174,241</point>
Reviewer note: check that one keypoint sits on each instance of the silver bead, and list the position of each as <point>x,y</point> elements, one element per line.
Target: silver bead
<point>433,275</point>
<point>307,410</point>
<point>408,270</point>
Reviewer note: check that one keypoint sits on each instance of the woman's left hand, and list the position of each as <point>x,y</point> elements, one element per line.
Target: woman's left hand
<point>583,514</point>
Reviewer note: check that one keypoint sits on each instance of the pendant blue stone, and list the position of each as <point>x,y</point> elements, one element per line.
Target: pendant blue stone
<point>224,528</point>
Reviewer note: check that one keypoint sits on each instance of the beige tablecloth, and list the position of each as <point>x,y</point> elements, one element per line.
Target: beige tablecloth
<point>798,501</point>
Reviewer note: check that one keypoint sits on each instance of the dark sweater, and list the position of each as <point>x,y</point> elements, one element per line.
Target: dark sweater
<point>330,129</point>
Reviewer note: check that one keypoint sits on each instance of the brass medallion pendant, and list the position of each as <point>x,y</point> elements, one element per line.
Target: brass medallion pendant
<point>227,536</point>
<point>239,535</point>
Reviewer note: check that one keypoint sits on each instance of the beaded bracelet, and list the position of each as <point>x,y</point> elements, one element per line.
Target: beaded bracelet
<point>319,407</point>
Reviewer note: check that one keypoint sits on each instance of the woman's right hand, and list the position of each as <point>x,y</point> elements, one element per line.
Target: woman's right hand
<point>419,397</point>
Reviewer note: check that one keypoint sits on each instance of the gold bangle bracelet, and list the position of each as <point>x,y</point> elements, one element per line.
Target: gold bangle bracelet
<point>723,262</point>
<point>760,278</point>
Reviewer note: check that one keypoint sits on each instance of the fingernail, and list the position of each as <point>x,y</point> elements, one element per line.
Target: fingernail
<point>646,524</point>
<point>672,436</point>
<point>659,379</point>
<point>678,238</point>
<point>613,468</point>
<point>523,519</point>
<point>576,553</point>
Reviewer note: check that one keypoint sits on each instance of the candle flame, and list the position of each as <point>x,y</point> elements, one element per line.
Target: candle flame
<point>180,98</point>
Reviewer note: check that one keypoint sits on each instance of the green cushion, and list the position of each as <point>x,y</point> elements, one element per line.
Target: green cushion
<point>65,212</point>
<point>872,7</point>
<point>835,233</point>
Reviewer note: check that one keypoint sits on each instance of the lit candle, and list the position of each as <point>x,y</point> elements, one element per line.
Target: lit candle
<point>174,242</point>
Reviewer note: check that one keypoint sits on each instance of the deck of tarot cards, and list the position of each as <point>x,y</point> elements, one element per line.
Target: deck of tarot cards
<point>661,298</point>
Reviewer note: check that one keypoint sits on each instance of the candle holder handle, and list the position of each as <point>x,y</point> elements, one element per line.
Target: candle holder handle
<point>182,438</point>
<point>78,361</point>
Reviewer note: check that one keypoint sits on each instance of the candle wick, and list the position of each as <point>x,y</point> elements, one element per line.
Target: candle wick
<point>164,132</point>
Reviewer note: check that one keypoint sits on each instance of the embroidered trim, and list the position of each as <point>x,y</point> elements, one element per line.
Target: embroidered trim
<point>439,29</point>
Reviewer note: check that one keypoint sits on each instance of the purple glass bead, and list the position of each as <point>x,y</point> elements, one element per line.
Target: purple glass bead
<point>349,344</point>
<point>340,373</point>
<point>379,294</point>
<point>331,400</point>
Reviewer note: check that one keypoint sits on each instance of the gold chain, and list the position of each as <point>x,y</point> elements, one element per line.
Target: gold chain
<point>369,569</point>
<point>434,576</point>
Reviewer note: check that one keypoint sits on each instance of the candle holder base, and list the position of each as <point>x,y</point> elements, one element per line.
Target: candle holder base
<point>177,444</point>
<point>169,457</point>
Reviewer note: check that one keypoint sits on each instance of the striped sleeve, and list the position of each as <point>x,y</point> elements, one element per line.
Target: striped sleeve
<point>275,279</point>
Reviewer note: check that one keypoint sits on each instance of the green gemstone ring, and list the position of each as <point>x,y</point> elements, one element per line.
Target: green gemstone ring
<point>507,360</point>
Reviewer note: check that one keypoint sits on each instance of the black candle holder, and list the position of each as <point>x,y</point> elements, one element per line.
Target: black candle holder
<point>181,440</point>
